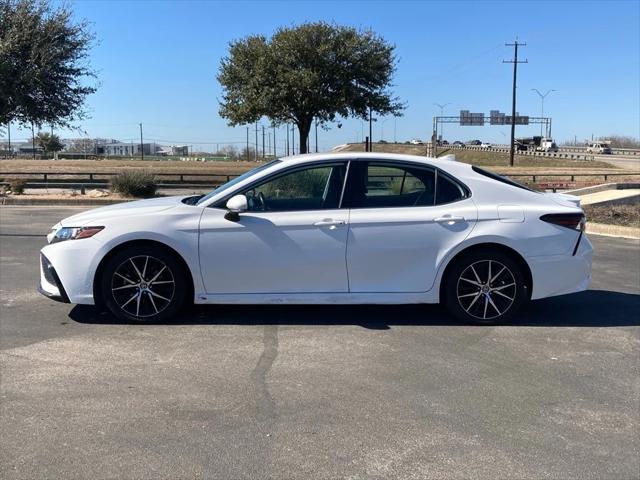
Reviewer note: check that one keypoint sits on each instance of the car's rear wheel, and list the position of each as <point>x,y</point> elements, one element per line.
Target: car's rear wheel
<point>485,288</point>
<point>143,284</point>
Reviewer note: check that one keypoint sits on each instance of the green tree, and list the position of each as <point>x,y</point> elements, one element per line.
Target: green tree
<point>43,63</point>
<point>315,71</point>
<point>49,143</point>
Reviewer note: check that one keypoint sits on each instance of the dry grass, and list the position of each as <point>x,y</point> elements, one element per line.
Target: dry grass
<point>115,166</point>
<point>624,215</point>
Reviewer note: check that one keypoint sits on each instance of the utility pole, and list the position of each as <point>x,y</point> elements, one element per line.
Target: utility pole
<point>515,62</point>
<point>275,145</point>
<point>542,97</point>
<point>9,138</point>
<point>316,135</point>
<point>247,150</point>
<point>286,127</point>
<point>370,132</point>
<point>293,139</point>
<point>255,153</point>
<point>269,142</point>
<point>263,142</point>
<point>141,143</point>
<point>33,141</point>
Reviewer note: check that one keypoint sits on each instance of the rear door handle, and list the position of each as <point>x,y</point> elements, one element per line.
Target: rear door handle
<point>328,222</point>
<point>448,219</point>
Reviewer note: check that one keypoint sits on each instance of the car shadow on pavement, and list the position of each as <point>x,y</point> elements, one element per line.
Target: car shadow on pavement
<point>594,308</point>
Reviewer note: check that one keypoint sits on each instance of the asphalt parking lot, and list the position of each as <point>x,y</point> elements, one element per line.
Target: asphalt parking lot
<point>318,392</point>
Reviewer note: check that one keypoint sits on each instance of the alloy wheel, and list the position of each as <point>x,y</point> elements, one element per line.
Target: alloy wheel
<point>143,286</point>
<point>486,289</point>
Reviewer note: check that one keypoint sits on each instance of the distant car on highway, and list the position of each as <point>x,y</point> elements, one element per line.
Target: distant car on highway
<point>416,141</point>
<point>600,147</point>
<point>458,143</point>
<point>485,145</point>
<point>353,228</point>
<point>475,142</point>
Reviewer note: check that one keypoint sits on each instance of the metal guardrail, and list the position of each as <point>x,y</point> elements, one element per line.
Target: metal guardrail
<point>614,151</point>
<point>503,149</point>
<point>207,180</point>
<point>90,177</point>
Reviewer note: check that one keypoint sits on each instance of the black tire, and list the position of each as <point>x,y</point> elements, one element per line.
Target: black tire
<point>472,299</point>
<point>156,297</point>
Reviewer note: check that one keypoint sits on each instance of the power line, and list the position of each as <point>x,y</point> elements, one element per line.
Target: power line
<point>515,62</point>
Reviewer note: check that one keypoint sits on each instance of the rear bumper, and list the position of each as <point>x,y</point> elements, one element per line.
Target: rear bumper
<point>561,274</point>
<point>50,285</point>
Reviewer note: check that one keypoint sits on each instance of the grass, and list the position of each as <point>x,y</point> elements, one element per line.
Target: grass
<point>624,215</point>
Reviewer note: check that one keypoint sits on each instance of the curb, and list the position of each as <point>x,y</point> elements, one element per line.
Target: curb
<point>613,230</point>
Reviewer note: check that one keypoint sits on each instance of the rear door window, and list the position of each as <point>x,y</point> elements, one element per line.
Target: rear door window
<point>379,185</point>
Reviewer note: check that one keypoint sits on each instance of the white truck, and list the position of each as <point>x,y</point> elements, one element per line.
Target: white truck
<point>547,145</point>
<point>537,144</point>
<point>599,146</point>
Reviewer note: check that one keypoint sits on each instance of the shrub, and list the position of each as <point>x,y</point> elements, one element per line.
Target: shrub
<point>134,183</point>
<point>16,185</point>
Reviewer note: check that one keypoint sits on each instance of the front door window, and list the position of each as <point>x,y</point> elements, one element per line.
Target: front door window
<point>317,188</point>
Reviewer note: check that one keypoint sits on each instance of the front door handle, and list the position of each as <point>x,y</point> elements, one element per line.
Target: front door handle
<point>450,219</point>
<point>328,222</point>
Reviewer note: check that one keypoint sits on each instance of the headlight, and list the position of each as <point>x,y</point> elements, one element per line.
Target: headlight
<point>74,233</point>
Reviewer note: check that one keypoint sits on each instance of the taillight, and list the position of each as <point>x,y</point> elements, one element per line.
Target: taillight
<point>575,221</point>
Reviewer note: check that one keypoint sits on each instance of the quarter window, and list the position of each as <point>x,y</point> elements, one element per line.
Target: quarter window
<point>448,191</point>
<point>317,188</point>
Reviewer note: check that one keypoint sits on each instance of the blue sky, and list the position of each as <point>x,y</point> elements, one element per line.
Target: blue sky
<point>157,63</point>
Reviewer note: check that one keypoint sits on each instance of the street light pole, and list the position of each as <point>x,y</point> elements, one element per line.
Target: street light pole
<point>395,128</point>
<point>382,129</point>
<point>542,97</point>
<point>441,107</point>
<point>141,144</point>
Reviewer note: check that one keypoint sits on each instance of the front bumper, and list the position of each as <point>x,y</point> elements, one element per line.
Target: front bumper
<point>50,285</point>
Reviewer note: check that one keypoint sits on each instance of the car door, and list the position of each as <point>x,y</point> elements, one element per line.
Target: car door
<point>292,239</point>
<point>403,220</point>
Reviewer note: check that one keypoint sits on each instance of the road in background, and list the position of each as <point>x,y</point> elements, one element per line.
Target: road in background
<point>317,392</point>
<point>621,161</point>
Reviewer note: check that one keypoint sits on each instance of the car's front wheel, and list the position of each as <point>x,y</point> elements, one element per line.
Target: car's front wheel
<point>485,287</point>
<point>143,284</point>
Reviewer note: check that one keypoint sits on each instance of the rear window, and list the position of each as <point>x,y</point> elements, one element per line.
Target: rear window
<point>500,178</point>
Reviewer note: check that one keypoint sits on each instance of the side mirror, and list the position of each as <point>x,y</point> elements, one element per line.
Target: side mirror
<point>235,206</point>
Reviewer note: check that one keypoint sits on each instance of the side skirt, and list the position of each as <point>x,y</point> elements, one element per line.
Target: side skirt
<point>316,298</point>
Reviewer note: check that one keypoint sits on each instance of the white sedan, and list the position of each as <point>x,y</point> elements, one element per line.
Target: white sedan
<point>327,229</point>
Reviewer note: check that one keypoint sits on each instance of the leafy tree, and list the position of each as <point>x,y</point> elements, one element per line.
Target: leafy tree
<point>49,142</point>
<point>43,63</point>
<point>312,71</point>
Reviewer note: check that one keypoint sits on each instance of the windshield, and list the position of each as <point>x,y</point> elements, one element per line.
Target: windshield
<point>236,180</point>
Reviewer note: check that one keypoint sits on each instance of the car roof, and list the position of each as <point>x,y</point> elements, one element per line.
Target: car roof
<point>446,163</point>
<point>319,157</point>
